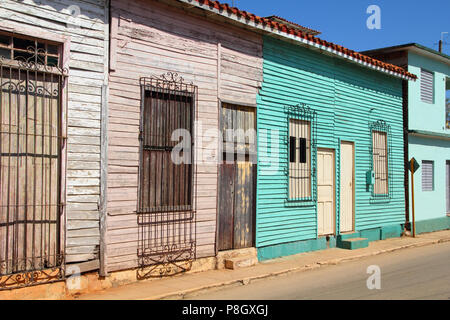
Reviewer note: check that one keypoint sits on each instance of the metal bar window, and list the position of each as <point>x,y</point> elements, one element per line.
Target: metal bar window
<point>381,159</point>
<point>29,49</point>
<point>166,206</point>
<point>302,136</point>
<point>31,248</point>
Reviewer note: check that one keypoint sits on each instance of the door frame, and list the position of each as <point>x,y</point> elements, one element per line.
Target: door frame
<point>220,103</point>
<point>353,184</point>
<point>333,150</point>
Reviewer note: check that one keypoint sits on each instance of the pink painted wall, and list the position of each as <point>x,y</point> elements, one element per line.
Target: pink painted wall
<point>150,38</point>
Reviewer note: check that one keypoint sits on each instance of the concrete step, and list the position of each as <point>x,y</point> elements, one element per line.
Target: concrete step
<point>241,262</point>
<point>354,243</point>
<point>348,235</point>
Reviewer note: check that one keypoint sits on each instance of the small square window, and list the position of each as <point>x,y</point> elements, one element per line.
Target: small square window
<point>427,175</point>
<point>426,86</point>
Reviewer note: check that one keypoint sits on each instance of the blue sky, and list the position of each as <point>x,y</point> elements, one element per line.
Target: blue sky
<point>344,21</point>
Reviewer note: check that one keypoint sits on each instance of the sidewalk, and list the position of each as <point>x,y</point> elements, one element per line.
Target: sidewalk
<point>178,286</point>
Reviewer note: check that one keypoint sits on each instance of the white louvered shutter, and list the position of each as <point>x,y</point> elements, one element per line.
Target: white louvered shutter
<point>427,175</point>
<point>426,86</point>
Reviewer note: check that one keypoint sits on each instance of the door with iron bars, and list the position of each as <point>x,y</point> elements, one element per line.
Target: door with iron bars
<point>31,144</point>
<point>237,178</point>
<point>166,213</point>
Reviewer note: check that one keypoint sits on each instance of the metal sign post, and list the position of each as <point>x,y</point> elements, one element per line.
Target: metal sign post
<point>413,168</point>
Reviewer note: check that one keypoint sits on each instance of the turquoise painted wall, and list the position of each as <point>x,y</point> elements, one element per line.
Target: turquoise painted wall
<point>429,204</point>
<point>422,115</point>
<point>343,95</point>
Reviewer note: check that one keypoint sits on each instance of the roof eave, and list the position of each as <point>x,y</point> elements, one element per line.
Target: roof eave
<point>415,47</point>
<point>265,28</point>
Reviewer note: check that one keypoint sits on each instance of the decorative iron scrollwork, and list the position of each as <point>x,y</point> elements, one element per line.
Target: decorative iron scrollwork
<point>168,262</point>
<point>168,81</point>
<point>34,271</point>
<point>33,63</point>
<point>166,220</point>
<point>31,87</point>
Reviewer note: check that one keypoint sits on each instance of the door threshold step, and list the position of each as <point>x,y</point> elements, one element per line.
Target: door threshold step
<point>241,262</point>
<point>354,243</point>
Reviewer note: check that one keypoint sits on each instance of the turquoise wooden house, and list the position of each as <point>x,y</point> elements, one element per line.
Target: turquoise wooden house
<point>428,132</point>
<point>330,149</point>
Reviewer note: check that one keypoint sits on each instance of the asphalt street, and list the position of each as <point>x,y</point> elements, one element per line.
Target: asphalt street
<point>415,273</point>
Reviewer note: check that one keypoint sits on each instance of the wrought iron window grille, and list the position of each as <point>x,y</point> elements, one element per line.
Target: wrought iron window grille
<point>301,169</point>
<point>31,144</point>
<point>166,213</point>
<point>381,160</point>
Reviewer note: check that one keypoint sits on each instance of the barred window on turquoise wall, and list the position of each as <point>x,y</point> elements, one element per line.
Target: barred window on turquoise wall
<point>301,145</point>
<point>380,159</point>
<point>299,159</point>
<point>380,162</point>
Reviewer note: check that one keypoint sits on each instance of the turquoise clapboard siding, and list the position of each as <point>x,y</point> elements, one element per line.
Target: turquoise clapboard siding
<point>343,95</point>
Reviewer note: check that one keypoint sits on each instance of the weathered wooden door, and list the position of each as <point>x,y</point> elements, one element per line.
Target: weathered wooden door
<point>237,179</point>
<point>325,192</point>
<point>347,187</point>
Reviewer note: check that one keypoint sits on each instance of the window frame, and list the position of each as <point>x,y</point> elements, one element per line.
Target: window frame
<point>302,112</point>
<point>164,85</point>
<point>383,127</point>
<point>37,51</point>
<point>298,159</point>
<point>422,71</point>
<point>432,175</point>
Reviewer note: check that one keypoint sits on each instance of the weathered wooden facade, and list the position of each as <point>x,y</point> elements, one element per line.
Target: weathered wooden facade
<point>54,57</point>
<point>223,64</point>
<point>153,129</point>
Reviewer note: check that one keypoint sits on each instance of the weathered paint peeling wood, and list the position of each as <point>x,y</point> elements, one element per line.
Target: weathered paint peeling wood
<point>85,48</point>
<point>154,38</point>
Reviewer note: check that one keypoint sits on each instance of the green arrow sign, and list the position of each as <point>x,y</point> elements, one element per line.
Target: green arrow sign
<point>415,164</point>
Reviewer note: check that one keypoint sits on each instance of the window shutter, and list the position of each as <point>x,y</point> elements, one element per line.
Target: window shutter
<point>427,175</point>
<point>426,86</point>
<point>292,148</point>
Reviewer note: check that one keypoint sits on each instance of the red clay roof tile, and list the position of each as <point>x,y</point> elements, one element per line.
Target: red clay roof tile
<point>303,34</point>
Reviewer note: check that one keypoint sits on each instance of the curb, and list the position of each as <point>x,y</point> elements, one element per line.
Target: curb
<point>245,281</point>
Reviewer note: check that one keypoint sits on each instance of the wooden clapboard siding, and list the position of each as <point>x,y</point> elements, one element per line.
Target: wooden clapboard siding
<point>154,38</point>
<point>87,62</point>
<point>343,95</point>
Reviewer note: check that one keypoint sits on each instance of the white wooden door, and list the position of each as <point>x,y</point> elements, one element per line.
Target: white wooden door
<point>347,186</point>
<point>325,192</point>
